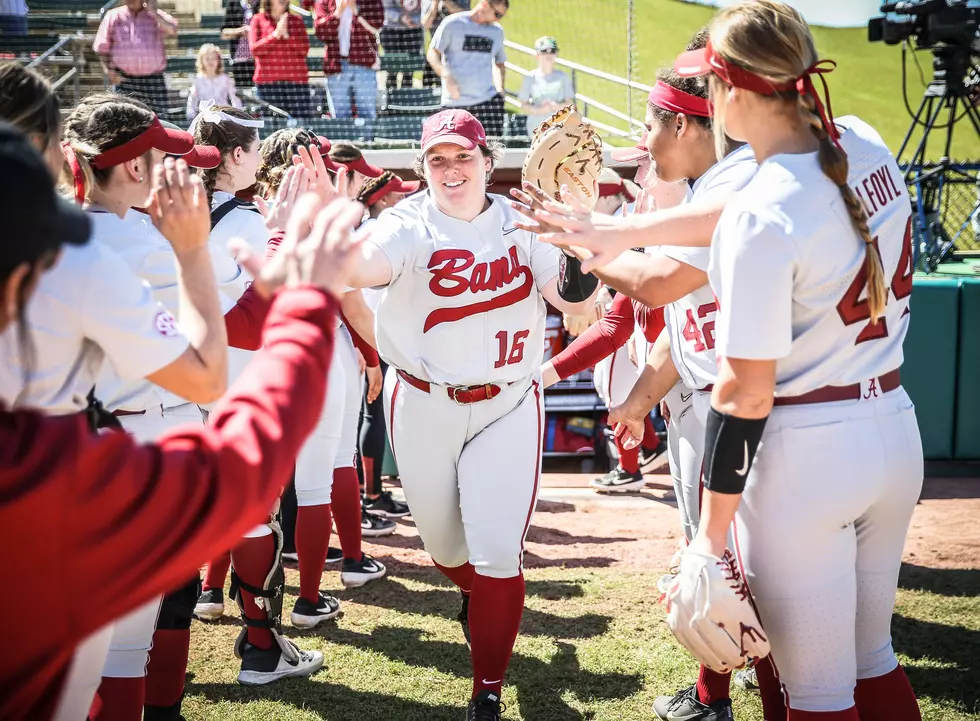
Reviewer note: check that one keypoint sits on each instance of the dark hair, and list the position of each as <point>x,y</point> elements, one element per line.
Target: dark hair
<point>27,102</point>
<point>265,6</point>
<point>99,122</point>
<point>225,136</point>
<point>493,150</point>
<point>371,186</point>
<point>697,87</point>
<point>277,153</point>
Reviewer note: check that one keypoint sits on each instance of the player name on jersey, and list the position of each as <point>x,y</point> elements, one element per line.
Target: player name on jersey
<point>877,190</point>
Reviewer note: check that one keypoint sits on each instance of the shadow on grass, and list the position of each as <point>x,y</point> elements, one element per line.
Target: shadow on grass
<point>941,581</point>
<point>446,603</point>
<point>556,537</point>
<point>539,684</point>
<point>954,645</point>
<point>330,702</point>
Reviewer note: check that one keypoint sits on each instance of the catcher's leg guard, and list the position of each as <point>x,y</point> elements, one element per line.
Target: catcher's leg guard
<point>269,598</point>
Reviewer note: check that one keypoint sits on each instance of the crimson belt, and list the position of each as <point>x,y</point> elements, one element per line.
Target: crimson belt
<point>829,394</point>
<point>460,394</point>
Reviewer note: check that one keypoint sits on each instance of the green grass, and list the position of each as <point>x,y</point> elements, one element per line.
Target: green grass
<point>867,82</point>
<point>593,646</point>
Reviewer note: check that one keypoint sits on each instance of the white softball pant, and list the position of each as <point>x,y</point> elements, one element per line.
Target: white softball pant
<point>469,472</point>
<point>820,533</point>
<point>685,451</point>
<point>614,377</point>
<point>333,442</point>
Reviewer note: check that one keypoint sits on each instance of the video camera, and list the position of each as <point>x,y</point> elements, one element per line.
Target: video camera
<point>931,22</point>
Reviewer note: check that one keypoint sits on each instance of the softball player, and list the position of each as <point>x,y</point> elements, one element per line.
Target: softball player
<point>461,325</point>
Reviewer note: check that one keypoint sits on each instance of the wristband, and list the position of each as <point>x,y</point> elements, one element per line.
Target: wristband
<point>730,445</point>
<point>573,285</point>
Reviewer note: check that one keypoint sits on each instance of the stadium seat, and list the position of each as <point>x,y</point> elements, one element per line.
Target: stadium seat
<point>337,129</point>
<point>196,38</point>
<point>185,64</point>
<point>515,125</point>
<point>57,22</point>
<point>410,101</point>
<point>402,63</point>
<point>399,127</point>
<point>26,44</point>
<point>81,6</point>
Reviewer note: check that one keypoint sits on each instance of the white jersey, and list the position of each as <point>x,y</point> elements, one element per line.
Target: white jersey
<point>241,222</point>
<point>90,306</point>
<point>152,258</point>
<point>787,266</point>
<point>464,305</point>
<point>691,320</point>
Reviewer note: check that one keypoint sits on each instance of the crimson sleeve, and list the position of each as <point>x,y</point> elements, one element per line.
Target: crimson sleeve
<point>261,45</point>
<point>325,22</point>
<point>299,41</point>
<point>374,13</point>
<point>371,358</point>
<point>602,339</point>
<point>125,522</point>
<point>244,321</point>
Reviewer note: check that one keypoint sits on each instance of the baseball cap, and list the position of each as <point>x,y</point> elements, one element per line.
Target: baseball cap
<point>546,44</point>
<point>453,126</point>
<point>170,140</point>
<point>206,157</point>
<point>394,185</point>
<point>323,143</point>
<point>629,155</point>
<point>362,166</point>
<point>31,208</point>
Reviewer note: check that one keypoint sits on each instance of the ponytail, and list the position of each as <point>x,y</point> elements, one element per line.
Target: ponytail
<point>834,164</point>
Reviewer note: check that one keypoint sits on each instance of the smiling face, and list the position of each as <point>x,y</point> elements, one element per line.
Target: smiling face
<point>457,176</point>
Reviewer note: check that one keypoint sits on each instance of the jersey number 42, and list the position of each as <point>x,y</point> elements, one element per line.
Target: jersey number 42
<point>855,309</point>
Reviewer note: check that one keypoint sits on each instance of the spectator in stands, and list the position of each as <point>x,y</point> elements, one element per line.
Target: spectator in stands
<point>433,13</point>
<point>349,30</point>
<point>545,90</point>
<point>130,43</point>
<point>279,43</point>
<point>211,82</point>
<point>467,52</point>
<point>13,17</point>
<point>238,17</point>
<point>402,33</point>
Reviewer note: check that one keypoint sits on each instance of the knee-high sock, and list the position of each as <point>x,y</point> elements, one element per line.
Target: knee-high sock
<point>312,540</point>
<point>887,698</point>
<point>253,559</point>
<point>496,606</point>
<point>713,686</point>
<point>217,572</point>
<point>462,576</point>
<point>773,703</point>
<point>167,667</point>
<point>346,502</point>
<point>122,699</point>
<point>850,714</point>
<point>650,439</point>
<point>629,459</point>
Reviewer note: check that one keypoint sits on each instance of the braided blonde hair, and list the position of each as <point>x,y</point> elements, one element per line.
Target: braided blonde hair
<point>772,40</point>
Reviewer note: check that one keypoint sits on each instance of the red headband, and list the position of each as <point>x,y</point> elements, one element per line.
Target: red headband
<point>677,101</point>
<point>395,185</point>
<point>706,60</point>
<point>78,178</point>
<point>169,141</point>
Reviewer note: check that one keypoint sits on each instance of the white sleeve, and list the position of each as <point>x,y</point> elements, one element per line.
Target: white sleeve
<point>695,257</point>
<point>544,261</point>
<point>395,236</point>
<point>730,181</point>
<point>756,262</point>
<point>525,93</point>
<point>138,335</point>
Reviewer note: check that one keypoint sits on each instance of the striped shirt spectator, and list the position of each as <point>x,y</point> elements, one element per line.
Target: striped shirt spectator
<point>130,43</point>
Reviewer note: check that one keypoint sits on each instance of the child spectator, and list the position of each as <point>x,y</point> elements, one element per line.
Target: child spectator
<point>545,90</point>
<point>211,82</point>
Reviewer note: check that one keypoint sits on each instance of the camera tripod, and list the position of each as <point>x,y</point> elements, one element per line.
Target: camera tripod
<point>947,96</point>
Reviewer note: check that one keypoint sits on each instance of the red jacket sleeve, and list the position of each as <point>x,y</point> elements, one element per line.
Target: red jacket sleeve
<point>325,22</point>
<point>367,350</point>
<point>124,522</point>
<point>602,339</point>
<point>244,321</point>
<point>260,38</point>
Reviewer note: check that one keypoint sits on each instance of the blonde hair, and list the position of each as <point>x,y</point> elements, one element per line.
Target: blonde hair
<point>204,50</point>
<point>773,41</point>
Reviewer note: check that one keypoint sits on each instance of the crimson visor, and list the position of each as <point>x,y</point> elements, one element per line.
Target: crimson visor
<point>701,62</point>
<point>395,185</point>
<point>629,155</point>
<point>156,137</point>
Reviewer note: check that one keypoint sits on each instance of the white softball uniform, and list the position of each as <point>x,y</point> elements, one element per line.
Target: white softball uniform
<point>464,308</point>
<point>690,321</point>
<point>614,377</point>
<point>823,519</point>
<point>89,308</point>
<point>240,222</point>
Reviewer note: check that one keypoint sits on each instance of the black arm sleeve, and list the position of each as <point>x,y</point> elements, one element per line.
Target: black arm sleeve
<point>574,285</point>
<point>730,444</point>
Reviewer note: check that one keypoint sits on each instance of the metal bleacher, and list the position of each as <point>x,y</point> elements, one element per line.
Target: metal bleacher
<point>61,34</point>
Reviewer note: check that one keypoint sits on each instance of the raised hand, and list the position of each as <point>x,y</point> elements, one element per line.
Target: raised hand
<point>295,184</point>
<point>179,206</point>
<point>321,181</point>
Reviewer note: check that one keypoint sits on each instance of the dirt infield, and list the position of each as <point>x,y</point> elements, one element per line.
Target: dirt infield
<point>577,528</point>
